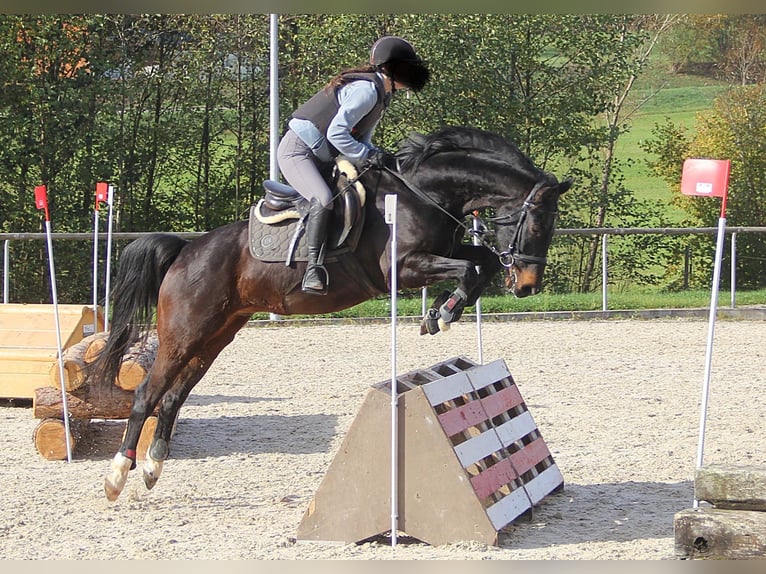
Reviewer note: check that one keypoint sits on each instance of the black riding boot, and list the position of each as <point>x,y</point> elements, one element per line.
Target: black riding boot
<point>315,280</point>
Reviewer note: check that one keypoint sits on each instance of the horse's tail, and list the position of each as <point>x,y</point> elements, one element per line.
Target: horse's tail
<point>143,265</point>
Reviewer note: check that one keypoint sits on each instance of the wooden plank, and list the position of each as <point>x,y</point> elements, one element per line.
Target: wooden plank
<point>508,469</point>
<point>716,533</point>
<point>508,508</point>
<point>16,386</point>
<point>478,447</point>
<point>461,418</point>
<point>738,487</point>
<point>485,375</point>
<point>544,483</point>
<point>516,428</point>
<point>446,389</point>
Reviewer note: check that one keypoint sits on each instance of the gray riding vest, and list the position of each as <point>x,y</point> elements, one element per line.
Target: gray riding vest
<point>321,108</point>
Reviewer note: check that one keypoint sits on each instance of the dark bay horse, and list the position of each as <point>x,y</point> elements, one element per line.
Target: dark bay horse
<point>206,289</point>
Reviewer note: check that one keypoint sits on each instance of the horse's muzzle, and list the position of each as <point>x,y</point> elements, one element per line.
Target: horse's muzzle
<point>524,282</point>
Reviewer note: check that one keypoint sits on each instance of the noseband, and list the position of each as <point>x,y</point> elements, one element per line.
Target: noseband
<point>512,254</point>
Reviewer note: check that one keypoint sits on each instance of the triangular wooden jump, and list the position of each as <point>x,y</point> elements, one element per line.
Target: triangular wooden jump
<point>471,460</point>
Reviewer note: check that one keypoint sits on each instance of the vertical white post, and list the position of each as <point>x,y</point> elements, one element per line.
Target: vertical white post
<point>479,344</point>
<point>604,274</point>
<point>273,105</point>
<point>95,269</point>
<point>710,334</point>
<point>6,269</point>
<point>733,270</point>
<point>110,202</point>
<point>390,214</point>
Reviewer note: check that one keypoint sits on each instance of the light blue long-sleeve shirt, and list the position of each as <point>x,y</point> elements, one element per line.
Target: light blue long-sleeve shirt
<point>355,100</point>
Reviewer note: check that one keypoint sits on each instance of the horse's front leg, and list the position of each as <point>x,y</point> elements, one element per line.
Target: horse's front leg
<point>425,269</point>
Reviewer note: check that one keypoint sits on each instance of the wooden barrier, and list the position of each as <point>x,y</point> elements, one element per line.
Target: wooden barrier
<point>470,460</point>
<point>734,527</point>
<point>88,399</point>
<point>28,343</point>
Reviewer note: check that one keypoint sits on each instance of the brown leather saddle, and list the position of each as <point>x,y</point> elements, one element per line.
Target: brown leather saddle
<point>277,223</point>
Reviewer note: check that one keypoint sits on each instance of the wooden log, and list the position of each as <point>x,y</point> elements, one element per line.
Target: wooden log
<point>49,437</point>
<point>736,487</point>
<point>87,402</point>
<point>715,533</point>
<point>73,359</point>
<point>95,346</point>
<point>136,362</point>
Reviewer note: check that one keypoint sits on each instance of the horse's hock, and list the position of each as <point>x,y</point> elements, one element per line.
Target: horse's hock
<point>31,368</point>
<point>470,460</point>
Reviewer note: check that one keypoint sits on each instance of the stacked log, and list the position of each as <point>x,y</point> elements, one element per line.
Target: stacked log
<point>136,362</point>
<point>87,399</point>
<point>74,359</point>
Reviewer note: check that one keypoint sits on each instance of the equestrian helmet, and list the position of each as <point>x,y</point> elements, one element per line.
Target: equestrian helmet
<point>401,62</point>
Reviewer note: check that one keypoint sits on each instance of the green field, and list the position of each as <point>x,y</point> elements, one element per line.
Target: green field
<point>680,102</point>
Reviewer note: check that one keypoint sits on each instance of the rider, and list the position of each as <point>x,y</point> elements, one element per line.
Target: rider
<point>340,120</point>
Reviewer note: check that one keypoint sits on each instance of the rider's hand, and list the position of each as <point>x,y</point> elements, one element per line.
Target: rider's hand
<point>378,158</point>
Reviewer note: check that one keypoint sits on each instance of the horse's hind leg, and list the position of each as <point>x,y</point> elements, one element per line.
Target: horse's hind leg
<point>145,398</point>
<point>169,407</point>
<point>186,380</point>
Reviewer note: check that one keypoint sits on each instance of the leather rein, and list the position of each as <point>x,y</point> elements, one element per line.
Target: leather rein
<point>511,254</point>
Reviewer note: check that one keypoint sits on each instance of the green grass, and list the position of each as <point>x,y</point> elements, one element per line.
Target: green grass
<point>681,102</point>
<point>635,299</point>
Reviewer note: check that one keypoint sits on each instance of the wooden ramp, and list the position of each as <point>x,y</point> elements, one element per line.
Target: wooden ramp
<point>470,460</point>
<point>28,346</point>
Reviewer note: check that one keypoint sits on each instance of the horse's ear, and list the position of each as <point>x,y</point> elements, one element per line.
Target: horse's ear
<point>564,185</point>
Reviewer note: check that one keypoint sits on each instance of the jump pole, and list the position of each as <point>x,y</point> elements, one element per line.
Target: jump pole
<point>708,177</point>
<point>390,214</point>
<point>476,241</point>
<point>110,202</point>
<point>101,195</point>
<point>41,201</point>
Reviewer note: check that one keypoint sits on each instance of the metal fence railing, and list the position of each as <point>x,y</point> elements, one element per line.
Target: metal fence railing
<point>604,232</point>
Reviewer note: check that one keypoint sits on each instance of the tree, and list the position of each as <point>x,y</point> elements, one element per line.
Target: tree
<point>735,129</point>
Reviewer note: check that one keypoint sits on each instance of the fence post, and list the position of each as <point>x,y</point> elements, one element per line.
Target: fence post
<point>6,269</point>
<point>604,274</point>
<point>733,270</point>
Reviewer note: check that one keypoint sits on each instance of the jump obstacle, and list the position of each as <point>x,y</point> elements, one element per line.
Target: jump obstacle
<point>29,369</point>
<point>733,526</point>
<point>28,345</point>
<point>470,460</point>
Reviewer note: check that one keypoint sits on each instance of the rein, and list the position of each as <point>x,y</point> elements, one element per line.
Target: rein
<point>507,257</point>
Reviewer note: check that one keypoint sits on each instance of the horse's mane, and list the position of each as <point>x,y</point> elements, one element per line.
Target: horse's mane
<point>418,147</point>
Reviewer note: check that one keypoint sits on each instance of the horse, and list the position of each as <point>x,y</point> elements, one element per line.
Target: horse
<point>199,293</point>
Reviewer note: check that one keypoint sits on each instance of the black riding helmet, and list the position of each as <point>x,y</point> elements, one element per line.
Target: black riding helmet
<point>401,62</point>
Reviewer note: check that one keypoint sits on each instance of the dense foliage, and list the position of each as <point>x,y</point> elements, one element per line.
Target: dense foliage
<point>173,110</point>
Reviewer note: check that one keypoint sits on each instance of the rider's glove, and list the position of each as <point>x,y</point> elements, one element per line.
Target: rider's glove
<point>378,158</point>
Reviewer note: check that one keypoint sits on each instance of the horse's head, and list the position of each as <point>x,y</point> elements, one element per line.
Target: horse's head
<point>525,235</point>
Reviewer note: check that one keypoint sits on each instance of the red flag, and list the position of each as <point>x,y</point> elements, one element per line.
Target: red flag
<point>41,200</point>
<point>102,192</point>
<point>707,177</point>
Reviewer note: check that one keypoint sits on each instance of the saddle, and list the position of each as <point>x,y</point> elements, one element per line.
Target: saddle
<point>278,221</point>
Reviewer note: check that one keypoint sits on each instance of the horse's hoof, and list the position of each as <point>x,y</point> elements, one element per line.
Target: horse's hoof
<point>155,457</point>
<point>150,480</point>
<point>430,323</point>
<point>115,481</point>
<point>443,325</point>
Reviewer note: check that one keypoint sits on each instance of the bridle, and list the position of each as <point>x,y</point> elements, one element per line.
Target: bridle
<point>512,254</point>
<point>509,256</point>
